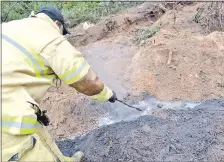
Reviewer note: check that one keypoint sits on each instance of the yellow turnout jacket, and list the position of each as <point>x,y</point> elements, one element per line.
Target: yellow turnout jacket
<point>34,55</point>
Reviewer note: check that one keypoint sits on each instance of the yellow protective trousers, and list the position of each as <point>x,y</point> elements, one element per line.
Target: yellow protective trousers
<point>37,147</point>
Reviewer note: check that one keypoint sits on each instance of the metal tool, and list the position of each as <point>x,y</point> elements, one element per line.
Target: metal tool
<point>129,105</point>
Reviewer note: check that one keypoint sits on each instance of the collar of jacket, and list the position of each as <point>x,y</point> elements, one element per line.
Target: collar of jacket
<point>48,19</point>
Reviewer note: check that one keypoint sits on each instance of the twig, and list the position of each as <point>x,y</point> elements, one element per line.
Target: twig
<point>170,57</point>
<point>214,153</point>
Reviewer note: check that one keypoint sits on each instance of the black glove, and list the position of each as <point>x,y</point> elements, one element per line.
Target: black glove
<point>113,98</point>
<point>41,115</point>
<point>43,118</point>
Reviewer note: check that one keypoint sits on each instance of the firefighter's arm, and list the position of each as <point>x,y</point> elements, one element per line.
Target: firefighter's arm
<point>91,85</point>
<point>71,67</point>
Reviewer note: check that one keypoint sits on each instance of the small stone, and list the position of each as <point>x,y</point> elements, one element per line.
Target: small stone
<point>142,42</point>
<point>160,105</point>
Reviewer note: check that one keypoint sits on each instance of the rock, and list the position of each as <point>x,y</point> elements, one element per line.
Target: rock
<point>160,105</point>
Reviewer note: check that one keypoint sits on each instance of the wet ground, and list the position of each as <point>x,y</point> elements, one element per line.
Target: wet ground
<point>178,131</point>
<point>118,112</point>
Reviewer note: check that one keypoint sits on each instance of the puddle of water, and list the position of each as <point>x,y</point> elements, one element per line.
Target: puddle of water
<point>119,112</point>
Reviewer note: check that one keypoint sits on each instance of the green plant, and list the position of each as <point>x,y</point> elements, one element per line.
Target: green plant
<point>144,34</point>
<point>74,12</point>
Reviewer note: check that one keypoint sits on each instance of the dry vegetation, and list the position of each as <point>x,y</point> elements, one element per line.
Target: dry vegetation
<point>211,16</point>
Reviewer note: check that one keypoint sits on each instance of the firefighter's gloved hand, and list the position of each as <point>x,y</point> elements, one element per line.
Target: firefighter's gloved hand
<point>113,98</point>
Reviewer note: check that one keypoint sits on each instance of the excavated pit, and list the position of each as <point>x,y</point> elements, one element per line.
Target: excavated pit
<point>178,131</point>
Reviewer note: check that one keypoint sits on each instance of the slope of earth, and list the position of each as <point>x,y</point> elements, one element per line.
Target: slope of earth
<point>184,135</point>
<point>179,62</point>
<point>70,112</point>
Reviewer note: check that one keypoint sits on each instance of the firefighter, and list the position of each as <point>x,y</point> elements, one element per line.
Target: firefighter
<point>35,55</point>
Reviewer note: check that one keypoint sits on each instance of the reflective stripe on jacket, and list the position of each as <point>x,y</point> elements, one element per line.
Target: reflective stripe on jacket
<point>34,55</point>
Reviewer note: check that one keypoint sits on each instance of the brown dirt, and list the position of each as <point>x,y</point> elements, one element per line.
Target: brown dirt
<point>179,62</point>
<point>117,24</point>
<point>67,112</point>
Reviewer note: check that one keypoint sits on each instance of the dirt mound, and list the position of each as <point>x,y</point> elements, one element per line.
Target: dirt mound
<point>68,113</point>
<point>185,67</point>
<point>149,11</point>
<point>185,135</point>
<point>179,62</point>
